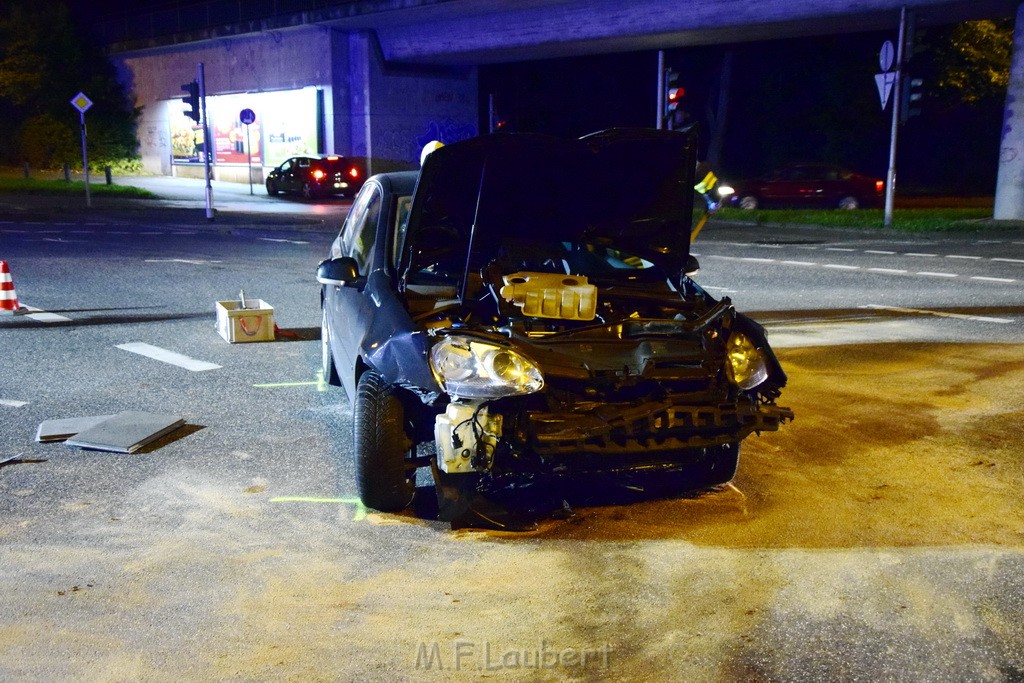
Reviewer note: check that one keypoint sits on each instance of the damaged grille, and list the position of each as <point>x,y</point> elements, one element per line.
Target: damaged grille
<point>651,426</point>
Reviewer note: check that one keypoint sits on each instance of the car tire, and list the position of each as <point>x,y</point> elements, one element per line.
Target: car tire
<point>272,188</point>
<point>749,202</point>
<point>849,203</point>
<point>330,371</point>
<point>384,479</point>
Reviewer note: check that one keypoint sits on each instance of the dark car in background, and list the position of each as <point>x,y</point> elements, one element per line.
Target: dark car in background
<point>499,342</point>
<point>317,177</point>
<point>810,185</point>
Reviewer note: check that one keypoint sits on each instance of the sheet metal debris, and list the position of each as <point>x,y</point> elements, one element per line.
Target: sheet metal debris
<point>126,432</point>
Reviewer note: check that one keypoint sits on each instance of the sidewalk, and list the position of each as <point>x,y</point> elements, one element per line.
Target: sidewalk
<point>185,200</point>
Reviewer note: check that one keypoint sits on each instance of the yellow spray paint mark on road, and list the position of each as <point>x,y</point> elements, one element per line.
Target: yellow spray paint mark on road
<point>320,384</point>
<point>360,513</point>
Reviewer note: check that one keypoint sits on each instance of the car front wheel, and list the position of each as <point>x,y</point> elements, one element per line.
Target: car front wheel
<point>749,202</point>
<point>384,479</point>
<point>272,188</point>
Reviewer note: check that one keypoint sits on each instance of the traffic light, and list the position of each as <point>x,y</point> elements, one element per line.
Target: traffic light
<point>911,102</point>
<point>192,100</point>
<point>673,98</point>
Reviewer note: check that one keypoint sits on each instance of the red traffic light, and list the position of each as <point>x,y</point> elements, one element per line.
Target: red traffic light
<point>675,94</point>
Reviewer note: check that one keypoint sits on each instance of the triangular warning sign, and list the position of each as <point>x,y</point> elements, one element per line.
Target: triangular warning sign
<point>885,81</point>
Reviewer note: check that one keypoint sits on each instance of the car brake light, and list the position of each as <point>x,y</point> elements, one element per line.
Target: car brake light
<point>354,172</point>
<point>318,174</point>
<point>333,158</point>
<point>879,185</point>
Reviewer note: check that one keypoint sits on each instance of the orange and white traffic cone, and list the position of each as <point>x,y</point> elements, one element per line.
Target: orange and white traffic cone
<point>8,297</point>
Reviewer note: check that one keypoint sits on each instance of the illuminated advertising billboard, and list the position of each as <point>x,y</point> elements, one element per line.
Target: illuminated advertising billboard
<point>285,126</point>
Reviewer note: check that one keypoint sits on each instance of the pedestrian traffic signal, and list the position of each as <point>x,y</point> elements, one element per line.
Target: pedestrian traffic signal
<point>911,98</point>
<point>192,100</point>
<point>673,115</point>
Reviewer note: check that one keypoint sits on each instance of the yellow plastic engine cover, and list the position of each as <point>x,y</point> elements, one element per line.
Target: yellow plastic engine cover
<point>551,295</point>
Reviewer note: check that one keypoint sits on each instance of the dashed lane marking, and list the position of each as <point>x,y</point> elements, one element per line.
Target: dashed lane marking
<point>11,403</point>
<point>277,239</point>
<point>839,266</point>
<point>930,274</point>
<point>938,314</point>
<point>799,263</point>
<point>839,249</point>
<point>169,357</point>
<point>964,256</point>
<point>919,254</point>
<point>1009,260</point>
<point>41,316</point>
<point>879,251</point>
<point>190,261</point>
<point>992,279</point>
<point>889,271</point>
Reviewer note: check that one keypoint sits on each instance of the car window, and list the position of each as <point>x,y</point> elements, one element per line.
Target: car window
<point>360,230</point>
<point>303,163</point>
<point>398,229</point>
<point>286,165</point>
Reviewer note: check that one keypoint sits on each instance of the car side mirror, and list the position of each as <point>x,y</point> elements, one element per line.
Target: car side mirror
<point>692,266</point>
<point>341,272</point>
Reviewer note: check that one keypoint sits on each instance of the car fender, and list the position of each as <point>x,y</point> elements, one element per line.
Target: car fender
<point>393,345</point>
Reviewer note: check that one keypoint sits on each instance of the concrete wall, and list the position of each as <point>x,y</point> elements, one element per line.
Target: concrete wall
<point>372,109</point>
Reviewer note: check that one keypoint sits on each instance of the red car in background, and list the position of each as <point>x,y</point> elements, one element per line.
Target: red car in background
<point>814,185</point>
<point>317,176</point>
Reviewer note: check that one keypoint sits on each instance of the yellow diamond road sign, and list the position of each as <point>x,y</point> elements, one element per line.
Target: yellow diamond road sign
<point>81,102</point>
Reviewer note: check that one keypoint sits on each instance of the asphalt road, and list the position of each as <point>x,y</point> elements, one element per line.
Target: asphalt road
<point>877,537</point>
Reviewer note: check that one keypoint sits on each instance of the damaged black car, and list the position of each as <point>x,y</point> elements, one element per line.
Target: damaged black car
<point>520,308</point>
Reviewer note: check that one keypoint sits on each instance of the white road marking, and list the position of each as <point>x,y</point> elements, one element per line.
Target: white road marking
<point>914,253</point>
<point>939,314</point>
<point>799,263</point>
<point>1009,260</point>
<point>963,256</point>
<point>751,259</point>
<point>890,271</point>
<point>11,403</point>
<point>806,246</point>
<point>720,289</point>
<point>41,316</point>
<point>273,239</point>
<point>838,266</point>
<point>992,279</point>
<point>152,232</point>
<point>989,242</point>
<point>192,261</point>
<point>879,251</point>
<point>925,272</point>
<point>839,249</point>
<point>165,356</point>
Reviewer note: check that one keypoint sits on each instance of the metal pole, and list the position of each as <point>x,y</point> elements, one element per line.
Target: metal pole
<point>85,161</point>
<point>249,150</point>
<point>207,142</point>
<point>897,104</point>
<point>490,113</point>
<point>661,91</point>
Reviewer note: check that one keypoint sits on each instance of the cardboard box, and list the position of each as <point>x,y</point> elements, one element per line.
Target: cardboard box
<point>253,323</point>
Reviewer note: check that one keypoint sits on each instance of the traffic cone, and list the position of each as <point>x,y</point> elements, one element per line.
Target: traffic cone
<point>8,297</point>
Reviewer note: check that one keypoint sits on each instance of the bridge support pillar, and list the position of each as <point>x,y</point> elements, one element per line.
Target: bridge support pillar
<point>1009,201</point>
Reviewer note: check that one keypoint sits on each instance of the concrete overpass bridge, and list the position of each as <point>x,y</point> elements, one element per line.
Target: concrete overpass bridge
<point>377,78</point>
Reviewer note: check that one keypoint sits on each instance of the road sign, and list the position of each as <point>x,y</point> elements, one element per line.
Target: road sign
<point>885,82</point>
<point>886,55</point>
<point>247,116</point>
<point>81,102</point>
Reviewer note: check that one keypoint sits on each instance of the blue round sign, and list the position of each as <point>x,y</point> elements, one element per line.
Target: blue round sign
<point>247,116</point>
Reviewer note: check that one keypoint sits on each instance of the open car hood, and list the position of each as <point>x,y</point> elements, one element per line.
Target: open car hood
<point>628,189</point>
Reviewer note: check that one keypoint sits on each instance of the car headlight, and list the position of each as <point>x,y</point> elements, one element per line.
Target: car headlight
<point>725,190</point>
<point>471,368</point>
<point>745,365</point>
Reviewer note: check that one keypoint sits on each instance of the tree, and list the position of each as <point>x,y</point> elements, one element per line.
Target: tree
<point>45,60</point>
<point>974,61</point>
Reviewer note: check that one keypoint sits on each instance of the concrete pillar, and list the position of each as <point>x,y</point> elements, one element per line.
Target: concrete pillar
<point>1009,203</point>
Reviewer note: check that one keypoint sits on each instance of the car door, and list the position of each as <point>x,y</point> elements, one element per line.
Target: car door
<point>348,306</point>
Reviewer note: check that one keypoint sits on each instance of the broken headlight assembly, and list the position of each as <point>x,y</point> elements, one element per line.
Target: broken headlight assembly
<point>745,365</point>
<point>471,368</point>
